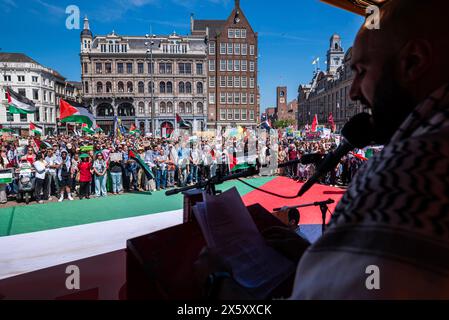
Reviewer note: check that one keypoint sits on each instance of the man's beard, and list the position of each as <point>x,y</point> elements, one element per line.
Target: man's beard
<point>391,105</point>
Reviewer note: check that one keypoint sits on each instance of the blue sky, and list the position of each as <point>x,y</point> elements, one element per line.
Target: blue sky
<point>291,32</point>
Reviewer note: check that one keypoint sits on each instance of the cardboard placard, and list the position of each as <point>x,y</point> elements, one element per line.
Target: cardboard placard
<point>116,157</point>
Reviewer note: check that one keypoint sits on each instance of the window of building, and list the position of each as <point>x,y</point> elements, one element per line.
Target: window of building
<point>188,87</point>
<point>212,98</point>
<point>141,108</point>
<point>212,48</point>
<point>230,48</point>
<point>199,68</point>
<point>98,68</point>
<point>124,48</point>
<point>21,78</point>
<point>129,68</point>
<point>165,68</point>
<point>22,92</point>
<point>212,65</point>
<point>212,82</point>
<point>230,65</point>
<point>86,87</point>
<point>108,87</point>
<point>7,78</point>
<point>129,87</point>
<point>189,107</point>
<point>237,49</point>
<point>236,114</point>
<point>140,68</point>
<point>108,67</point>
<point>162,87</point>
<point>251,98</point>
<point>141,87</point>
<point>251,115</point>
<point>223,98</point>
<point>199,88</point>
<point>119,67</point>
<point>169,87</point>
<point>244,98</point>
<point>121,87</point>
<point>35,94</point>
<point>237,65</point>
<point>181,87</point>
<point>150,87</point>
<point>169,107</point>
<point>182,107</point>
<point>222,65</point>
<point>251,82</point>
<point>186,68</point>
<point>230,82</point>
<point>99,87</point>
<point>244,114</point>
<point>231,33</point>
<point>223,114</point>
<point>222,48</point>
<point>243,34</point>
<point>230,98</point>
<point>199,108</point>
<point>244,82</point>
<point>162,107</point>
<point>230,114</point>
<point>236,82</point>
<point>252,50</point>
<point>9,117</point>
<point>103,48</point>
<point>23,117</point>
<point>244,65</point>
<point>85,67</point>
<point>236,98</point>
<point>251,66</point>
<point>237,33</point>
<point>244,49</point>
<point>34,79</point>
<point>222,82</point>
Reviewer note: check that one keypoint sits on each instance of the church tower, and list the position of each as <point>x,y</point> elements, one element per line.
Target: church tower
<point>335,54</point>
<point>86,37</point>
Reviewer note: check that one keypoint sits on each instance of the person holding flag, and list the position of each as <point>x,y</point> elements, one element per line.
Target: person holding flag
<point>35,129</point>
<point>315,124</point>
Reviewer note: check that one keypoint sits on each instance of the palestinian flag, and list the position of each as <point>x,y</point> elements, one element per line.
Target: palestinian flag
<point>6,176</point>
<point>75,113</point>
<point>42,144</point>
<point>182,123</point>
<point>133,130</point>
<point>98,129</point>
<point>87,129</point>
<point>36,129</point>
<point>148,172</point>
<point>18,104</point>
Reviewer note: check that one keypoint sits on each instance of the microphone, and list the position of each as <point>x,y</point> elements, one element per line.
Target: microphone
<point>357,133</point>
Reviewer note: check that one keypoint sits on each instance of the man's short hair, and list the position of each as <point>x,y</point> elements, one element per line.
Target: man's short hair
<point>293,214</point>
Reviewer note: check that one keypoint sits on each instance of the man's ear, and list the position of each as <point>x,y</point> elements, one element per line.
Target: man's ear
<point>415,60</point>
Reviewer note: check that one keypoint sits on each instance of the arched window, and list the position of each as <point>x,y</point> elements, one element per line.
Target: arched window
<point>199,108</point>
<point>162,108</point>
<point>169,87</point>
<point>108,87</point>
<point>129,87</point>
<point>182,88</point>
<point>99,87</point>
<point>150,86</point>
<point>162,87</point>
<point>188,107</point>
<point>169,107</point>
<point>86,87</point>
<point>126,110</point>
<point>141,108</point>
<point>121,87</point>
<point>141,87</point>
<point>199,88</point>
<point>188,87</point>
<point>105,110</point>
<point>182,107</point>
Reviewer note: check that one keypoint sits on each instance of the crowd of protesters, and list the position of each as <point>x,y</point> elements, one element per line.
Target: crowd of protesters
<point>71,166</point>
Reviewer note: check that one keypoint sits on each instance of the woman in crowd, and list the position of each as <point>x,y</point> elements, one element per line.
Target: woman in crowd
<point>115,168</point>
<point>85,176</point>
<point>100,170</point>
<point>40,165</point>
<point>64,176</point>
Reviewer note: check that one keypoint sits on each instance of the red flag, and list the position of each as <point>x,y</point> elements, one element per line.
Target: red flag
<point>332,122</point>
<point>132,128</point>
<point>315,123</point>
<point>359,156</point>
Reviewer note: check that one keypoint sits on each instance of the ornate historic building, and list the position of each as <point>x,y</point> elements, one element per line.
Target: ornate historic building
<point>233,95</point>
<point>328,92</point>
<point>125,76</point>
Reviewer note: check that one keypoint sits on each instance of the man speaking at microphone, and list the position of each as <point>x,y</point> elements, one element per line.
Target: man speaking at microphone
<point>389,235</point>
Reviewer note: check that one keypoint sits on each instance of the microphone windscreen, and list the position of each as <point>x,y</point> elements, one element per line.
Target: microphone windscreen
<point>359,130</point>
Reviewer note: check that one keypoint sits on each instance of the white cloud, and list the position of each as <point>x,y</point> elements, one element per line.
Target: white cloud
<point>51,8</point>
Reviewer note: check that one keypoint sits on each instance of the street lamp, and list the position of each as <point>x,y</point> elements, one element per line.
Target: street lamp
<point>149,46</point>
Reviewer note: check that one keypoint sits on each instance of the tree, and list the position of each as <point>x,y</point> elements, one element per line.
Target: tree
<point>282,124</point>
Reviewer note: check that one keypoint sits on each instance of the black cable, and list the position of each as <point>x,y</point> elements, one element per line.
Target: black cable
<point>267,192</point>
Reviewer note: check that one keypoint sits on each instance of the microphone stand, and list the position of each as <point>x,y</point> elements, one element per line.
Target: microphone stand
<point>323,207</point>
